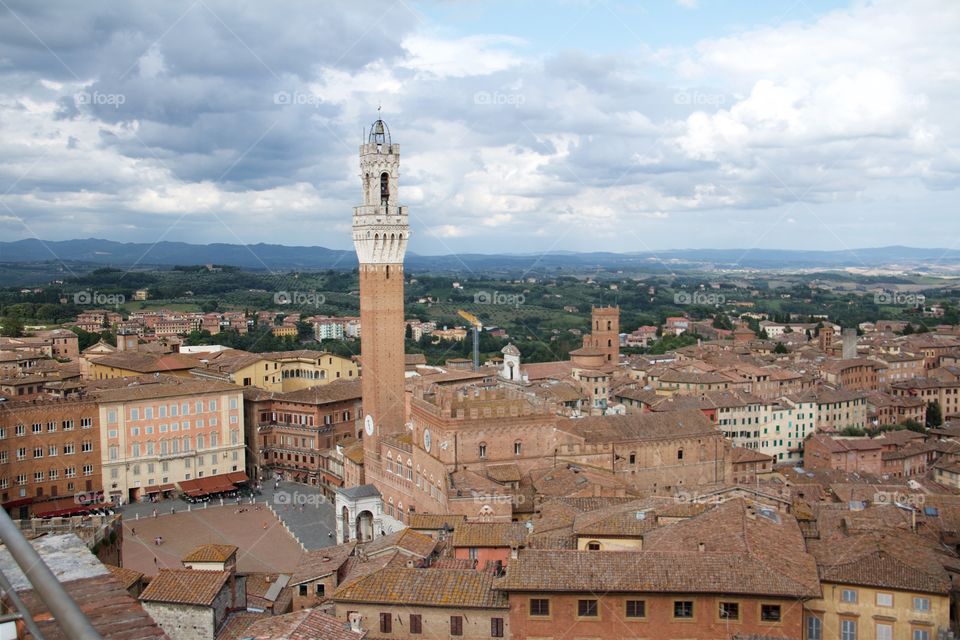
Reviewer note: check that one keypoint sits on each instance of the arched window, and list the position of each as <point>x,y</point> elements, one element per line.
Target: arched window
<point>593,545</point>
<point>384,188</point>
<point>483,449</point>
<point>517,448</point>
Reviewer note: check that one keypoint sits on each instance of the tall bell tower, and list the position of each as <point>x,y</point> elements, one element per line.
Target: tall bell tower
<point>380,233</point>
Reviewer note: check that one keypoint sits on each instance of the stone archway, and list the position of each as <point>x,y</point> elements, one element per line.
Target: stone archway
<point>364,526</point>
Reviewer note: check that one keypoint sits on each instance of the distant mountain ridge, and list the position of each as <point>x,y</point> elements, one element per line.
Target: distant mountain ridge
<point>263,256</point>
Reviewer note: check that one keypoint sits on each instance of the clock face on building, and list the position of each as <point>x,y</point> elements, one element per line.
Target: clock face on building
<point>368,424</point>
<point>427,440</point>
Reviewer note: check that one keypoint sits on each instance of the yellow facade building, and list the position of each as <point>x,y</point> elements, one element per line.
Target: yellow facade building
<point>278,371</point>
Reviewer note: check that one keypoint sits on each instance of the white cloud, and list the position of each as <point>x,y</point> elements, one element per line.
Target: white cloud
<point>851,114</point>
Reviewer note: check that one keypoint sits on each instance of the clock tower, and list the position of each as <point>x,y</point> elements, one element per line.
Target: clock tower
<point>380,232</point>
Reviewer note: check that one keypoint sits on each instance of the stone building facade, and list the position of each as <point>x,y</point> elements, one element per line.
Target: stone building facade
<point>48,449</point>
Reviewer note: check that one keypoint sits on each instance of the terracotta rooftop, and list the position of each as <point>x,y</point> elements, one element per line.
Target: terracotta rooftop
<point>142,390</point>
<point>489,534</point>
<point>737,528</point>
<point>321,562</point>
<point>306,624</point>
<point>112,611</point>
<point>433,521</point>
<point>425,587</point>
<point>504,472</point>
<point>640,426</point>
<point>840,444</point>
<point>238,624</point>
<point>211,553</point>
<point>127,577</point>
<point>145,362</point>
<point>742,455</point>
<point>542,570</point>
<point>185,586</point>
<point>336,391</point>
<point>624,520</point>
<point>406,540</point>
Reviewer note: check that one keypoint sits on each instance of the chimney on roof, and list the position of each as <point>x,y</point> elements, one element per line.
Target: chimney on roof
<point>514,550</point>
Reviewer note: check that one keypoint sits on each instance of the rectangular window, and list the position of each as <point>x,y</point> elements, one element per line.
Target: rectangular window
<point>848,595</point>
<point>587,608</point>
<point>456,625</point>
<point>539,607</point>
<point>636,609</point>
<point>921,604</point>
<point>416,623</point>
<point>303,590</point>
<point>884,599</point>
<point>729,611</point>
<point>683,609</point>
<point>386,622</point>
<point>496,627</point>
<point>884,631</point>
<point>112,416</point>
<point>770,613</point>
<point>848,630</point>
<point>921,634</point>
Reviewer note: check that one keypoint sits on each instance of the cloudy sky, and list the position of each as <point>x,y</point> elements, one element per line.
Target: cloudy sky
<point>524,126</point>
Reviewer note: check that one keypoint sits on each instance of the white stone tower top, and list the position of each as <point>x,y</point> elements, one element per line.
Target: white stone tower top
<point>380,225</point>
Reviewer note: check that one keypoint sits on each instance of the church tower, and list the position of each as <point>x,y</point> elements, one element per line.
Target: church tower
<point>605,332</point>
<point>380,232</point>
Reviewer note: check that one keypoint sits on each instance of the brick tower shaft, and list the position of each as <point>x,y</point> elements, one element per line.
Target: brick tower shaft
<point>380,232</point>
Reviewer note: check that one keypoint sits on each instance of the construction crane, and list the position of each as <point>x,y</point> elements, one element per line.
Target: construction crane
<point>477,326</point>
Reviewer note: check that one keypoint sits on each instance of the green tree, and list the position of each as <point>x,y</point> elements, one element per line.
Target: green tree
<point>721,321</point>
<point>12,327</point>
<point>934,414</point>
<point>780,348</point>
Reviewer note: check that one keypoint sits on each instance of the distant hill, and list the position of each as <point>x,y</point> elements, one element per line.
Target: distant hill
<point>273,256</point>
